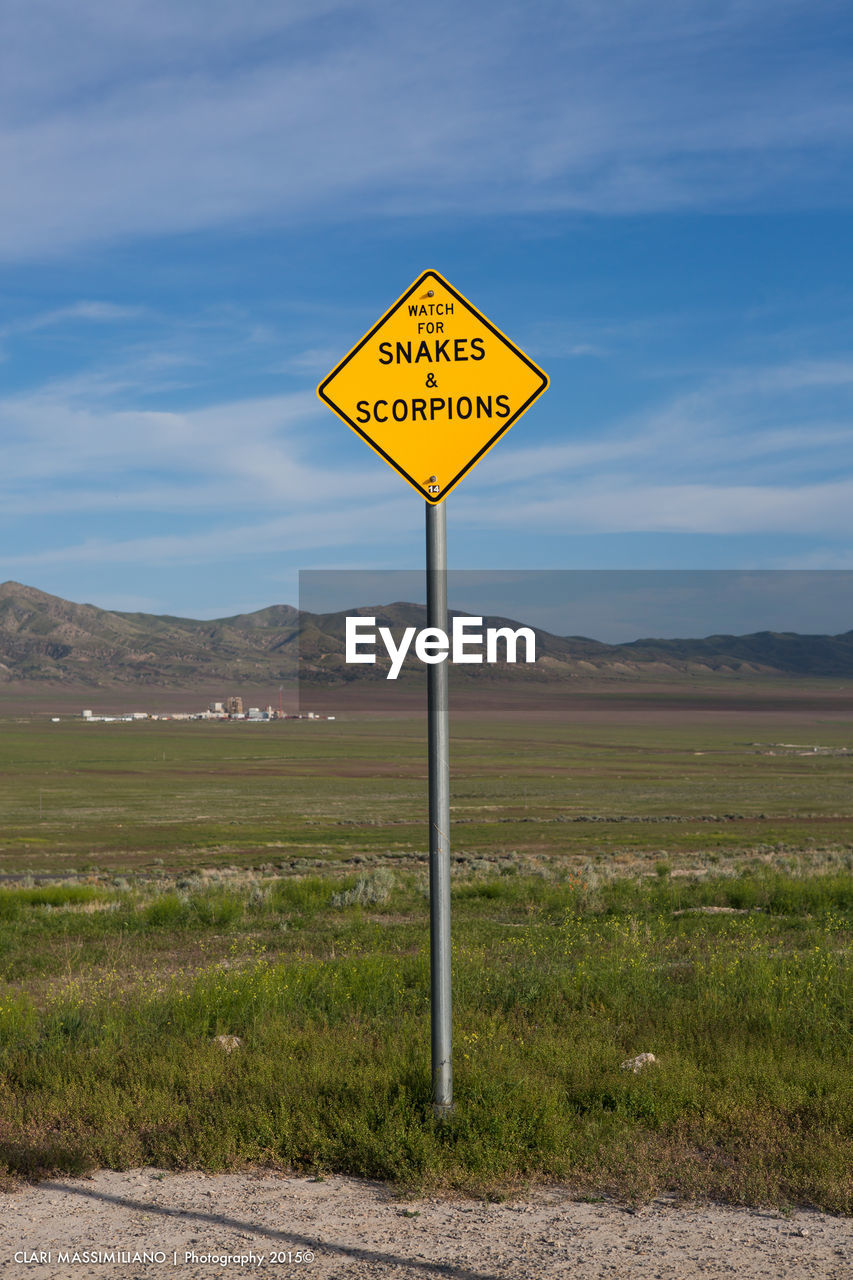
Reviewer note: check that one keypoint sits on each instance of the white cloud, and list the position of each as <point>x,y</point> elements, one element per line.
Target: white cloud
<point>298,532</point>
<point>730,457</point>
<point>141,119</point>
<point>96,312</point>
<point>315,360</point>
<point>64,452</point>
<point>769,423</point>
<point>767,450</point>
<point>643,506</point>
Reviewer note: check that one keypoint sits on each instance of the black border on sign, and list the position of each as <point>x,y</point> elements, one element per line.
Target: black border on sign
<point>321,392</point>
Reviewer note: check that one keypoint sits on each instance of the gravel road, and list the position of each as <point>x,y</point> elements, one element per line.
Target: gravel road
<point>193,1225</point>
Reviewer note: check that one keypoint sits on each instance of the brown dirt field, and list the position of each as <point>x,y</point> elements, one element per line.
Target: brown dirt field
<point>721,700</point>
<point>598,701</point>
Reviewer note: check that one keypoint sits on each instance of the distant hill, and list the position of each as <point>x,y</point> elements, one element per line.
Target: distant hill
<point>46,639</point>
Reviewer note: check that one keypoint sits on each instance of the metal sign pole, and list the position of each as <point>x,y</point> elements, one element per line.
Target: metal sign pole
<point>439,820</point>
<point>379,391</point>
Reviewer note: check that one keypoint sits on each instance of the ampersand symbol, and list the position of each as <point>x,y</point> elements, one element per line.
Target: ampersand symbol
<point>431,382</point>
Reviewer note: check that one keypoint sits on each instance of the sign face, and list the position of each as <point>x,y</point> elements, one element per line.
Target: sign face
<point>432,386</point>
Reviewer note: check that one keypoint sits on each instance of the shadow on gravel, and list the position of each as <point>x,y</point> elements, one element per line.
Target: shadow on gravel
<point>288,1237</point>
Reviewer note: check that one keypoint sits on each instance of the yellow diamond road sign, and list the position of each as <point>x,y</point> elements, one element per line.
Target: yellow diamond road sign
<point>432,386</point>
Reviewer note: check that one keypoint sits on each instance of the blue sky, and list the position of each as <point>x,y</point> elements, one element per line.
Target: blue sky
<point>205,205</point>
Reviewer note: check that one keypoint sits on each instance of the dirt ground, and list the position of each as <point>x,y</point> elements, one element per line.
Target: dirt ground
<point>193,1225</point>
<point>596,701</point>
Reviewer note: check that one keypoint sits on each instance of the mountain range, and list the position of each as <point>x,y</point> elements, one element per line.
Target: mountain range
<point>46,639</point>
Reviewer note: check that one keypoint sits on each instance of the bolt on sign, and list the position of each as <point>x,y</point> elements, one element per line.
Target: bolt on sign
<point>433,386</point>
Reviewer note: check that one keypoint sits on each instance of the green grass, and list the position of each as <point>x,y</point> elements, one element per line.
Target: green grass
<point>137,796</point>
<point>556,983</point>
<point>13,902</point>
<point>617,888</point>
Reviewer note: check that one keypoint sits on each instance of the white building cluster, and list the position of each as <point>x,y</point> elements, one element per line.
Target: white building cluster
<point>228,709</point>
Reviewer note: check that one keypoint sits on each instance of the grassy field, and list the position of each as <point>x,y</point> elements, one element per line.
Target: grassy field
<point>676,882</point>
<point>685,782</point>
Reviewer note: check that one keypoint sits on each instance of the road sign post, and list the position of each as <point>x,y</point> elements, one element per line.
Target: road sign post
<point>438,721</point>
<point>431,388</point>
